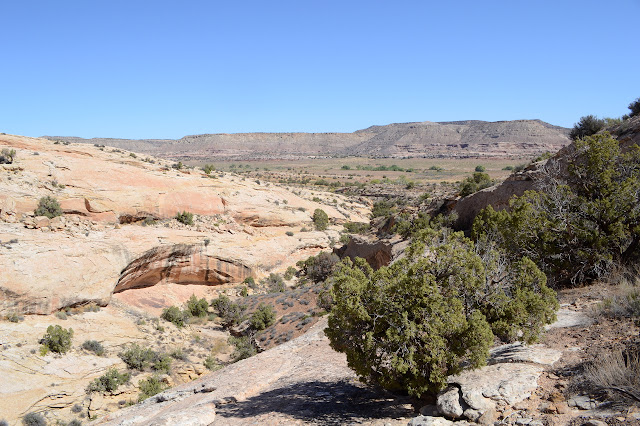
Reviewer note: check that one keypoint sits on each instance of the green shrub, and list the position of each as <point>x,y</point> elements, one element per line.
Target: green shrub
<point>250,282</point>
<point>244,348</point>
<point>208,168</point>
<point>410,325</point>
<point>197,307</point>
<point>34,419</point>
<point>356,227</point>
<point>7,155</point>
<point>178,354</point>
<point>149,387</point>
<point>635,108</point>
<point>274,283</point>
<point>289,233</point>
<point>185,218</point>
<point>109,382</point>
<point>264,316</point>
<point>318,268</point>
<point>290,273</point>
<point>480,169</point>
<point>211,363</point>
<point>93,346</point>
<point>161,362</point>
<point>48,206</point>
<point>230,312</point>
<point>382,208</point>
<point>475,183</point>
<point>56,339</point>
<point>579,231</point>
<point>587,126</point>
<point>137,358</point>
<point>320,219</point>
<point>174,315</point>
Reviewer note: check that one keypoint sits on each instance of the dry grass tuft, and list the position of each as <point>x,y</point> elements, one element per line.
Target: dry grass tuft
<point>616,372</point>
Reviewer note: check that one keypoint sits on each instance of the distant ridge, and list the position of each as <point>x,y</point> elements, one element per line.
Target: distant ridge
<point>453,139</point>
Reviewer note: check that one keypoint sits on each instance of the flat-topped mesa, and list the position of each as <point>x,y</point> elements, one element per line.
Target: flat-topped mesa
<point>181,264</point>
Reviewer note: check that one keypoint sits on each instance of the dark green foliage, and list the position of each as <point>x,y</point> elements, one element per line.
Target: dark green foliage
<point>320,219</point>
<point>34,419</point>
<point>175,315</point>
<point>475,183</point>
<point>208,168</point>
<point>384,208</point>
<point>480,169</point>
<point>264,316</point>
<point>7,156</point>
<point>635,108</point>
<point>244,348</point>
<point>185,218</point>
<point>197,307</point>
<point>583,229</point>
<point>356,227</point>
<point>149,387</point>
<point>48,206</point>
<point>290,273</point>
<point>250,282</point>
<point>138,358</point>
<point>410,325</point>
<point>109,382</point>
<point>544,156</point>
<point>274,283</point>
<point>318,268</point>
<point>57,339</point>
<point>231,313</point>
<point>211,363</point>
<point>587,126</point>
<point>289,233</point>
<point>93,346</point>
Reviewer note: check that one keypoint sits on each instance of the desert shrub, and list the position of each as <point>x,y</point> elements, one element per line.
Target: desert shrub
<point>410,325</point>
<point>617,372</point>
<point>383,208</point>
<point>544,156</point>
<point>137,358</point>
<point>289,234</point>
<point>587,126</point>
<point>208,168</point>
<point>250,282</point>
<point>93,346</point>
<point>243,348</point>
<point>161,362</point>
<point>230,312</point>
<point>356,227</point>
<point>48,206</point>
<point>7,155</point>
<point>109,382</point>
<point>624,301</point>
<point>149,387</point>
<point>56,339</point>
<point>475,183</point>
<point>318,268</point>
<point>178,354</point>
<point>274,283</point>
<point>14,317</point>
<point>34,419</point>
<point>175,315</point>
<point>290,273</point>
<point>211,363</point>
<point>320,219</point>
<point>480,169</point>
<point>185,218</point>
<point>197,307</point>
<point>634,107</point>
<point>264,316</point>
<point>580,230</point>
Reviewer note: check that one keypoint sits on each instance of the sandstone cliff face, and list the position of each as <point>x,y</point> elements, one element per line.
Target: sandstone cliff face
<point>448,139</point>
<point>99,244</point>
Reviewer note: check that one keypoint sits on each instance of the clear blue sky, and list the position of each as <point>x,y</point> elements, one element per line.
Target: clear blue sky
<point>165,69</point>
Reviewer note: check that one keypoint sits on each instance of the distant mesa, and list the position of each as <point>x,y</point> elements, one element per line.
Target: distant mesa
<point>453,139</point>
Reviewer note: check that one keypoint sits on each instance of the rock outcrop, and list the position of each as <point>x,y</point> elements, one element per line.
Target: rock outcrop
<point>377,252</point>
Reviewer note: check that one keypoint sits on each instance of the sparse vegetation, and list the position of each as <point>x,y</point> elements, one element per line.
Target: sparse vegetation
<point>7,156</point>
<point>230,312</point>
<point>475,183</point>
<point>109,382</point>
<point>243,348</point>
<point>616,372</point>
<point>264,316</point>
<point>175,315</point>
<point>382,208</point>
<point>34,419</point>
<point>93,346</point>
<point>197,307</point>
<point>184,218</point>
<point>56,339</point>
<point>149,387</point>
<point>318,268</point>
<point>48,206</point>
<point>138,358</point>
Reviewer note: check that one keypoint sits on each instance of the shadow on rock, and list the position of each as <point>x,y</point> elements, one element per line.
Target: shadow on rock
<point>327,403</point>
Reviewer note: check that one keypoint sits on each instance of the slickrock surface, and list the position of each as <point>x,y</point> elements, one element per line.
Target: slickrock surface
<point>239,231</point>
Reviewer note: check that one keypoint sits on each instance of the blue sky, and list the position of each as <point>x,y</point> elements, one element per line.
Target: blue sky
<point>165,69</point>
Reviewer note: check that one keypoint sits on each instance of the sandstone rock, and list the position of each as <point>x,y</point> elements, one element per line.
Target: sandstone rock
<point>448,402</point>
<point>376,252</point>
<point>41,221</point>
<point>518,352</point>
<point>594,423</point>
<point>568,318</point>
<point>430,421</point>
<point>583,402</point>
<point>57,223</point>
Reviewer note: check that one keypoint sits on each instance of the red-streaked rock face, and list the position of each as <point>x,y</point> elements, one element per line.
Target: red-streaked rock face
<point>181,264</point>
